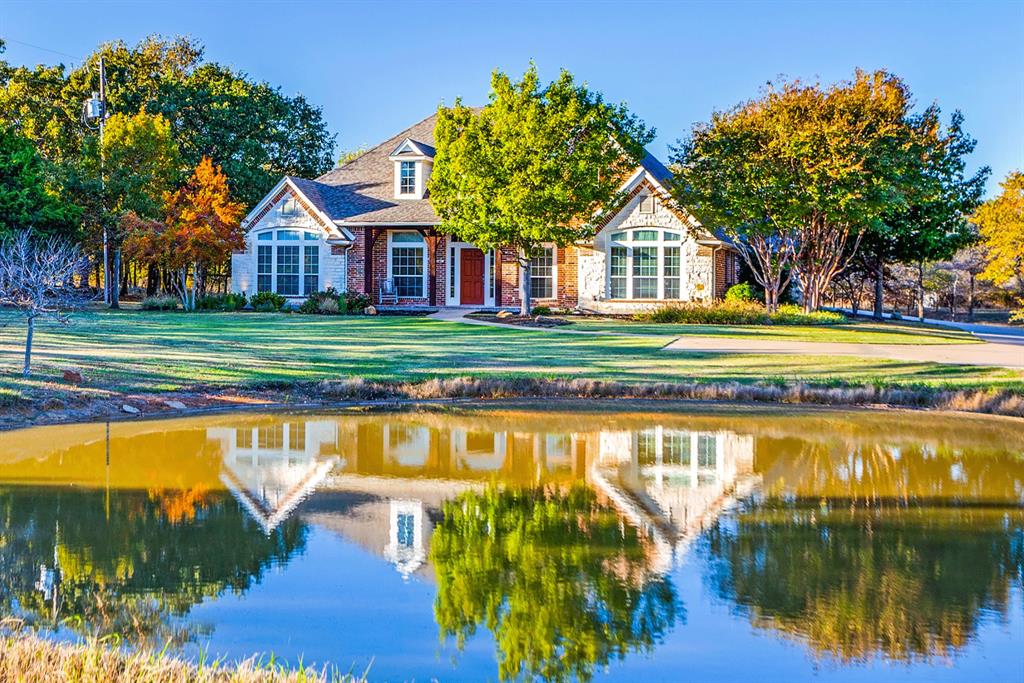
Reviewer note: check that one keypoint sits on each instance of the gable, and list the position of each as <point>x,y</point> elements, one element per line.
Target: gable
<point>287,208</point>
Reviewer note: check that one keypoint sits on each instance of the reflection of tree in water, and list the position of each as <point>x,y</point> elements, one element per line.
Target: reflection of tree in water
<point>130,573</point>
<point>854,583</point>
<point>556,577</point>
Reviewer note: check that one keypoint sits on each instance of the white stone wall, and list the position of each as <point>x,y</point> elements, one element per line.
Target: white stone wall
<point>333,267</point>
<point>697,270</point>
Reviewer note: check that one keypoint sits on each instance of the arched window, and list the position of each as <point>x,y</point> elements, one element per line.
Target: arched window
<point>645,263</point>
<point>288,261</point>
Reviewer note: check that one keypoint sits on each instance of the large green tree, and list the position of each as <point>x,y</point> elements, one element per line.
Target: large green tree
<point>1001,225</point>
<point>535,165</point>
<point>251,129</point>
<point>27,199</point>
<point>940,196</point>
<point>799,176</point>
<point>140,163</point>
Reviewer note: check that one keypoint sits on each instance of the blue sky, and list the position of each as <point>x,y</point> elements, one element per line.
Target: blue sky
<point>378,67</point>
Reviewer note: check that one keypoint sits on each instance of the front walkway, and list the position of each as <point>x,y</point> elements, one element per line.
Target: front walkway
<point>994,354</point>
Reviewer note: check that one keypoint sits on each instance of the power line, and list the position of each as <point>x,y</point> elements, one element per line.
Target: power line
<point>39,47</point>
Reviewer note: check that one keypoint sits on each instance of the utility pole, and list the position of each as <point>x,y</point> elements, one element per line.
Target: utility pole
<point>106,238</point>
<point>96,110</point>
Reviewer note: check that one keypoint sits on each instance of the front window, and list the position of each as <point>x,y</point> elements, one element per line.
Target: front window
<point>285,266</point>
<point>407,178</point>
<point>542,273</point>
<point>645,263</point>
<point>408,264</point>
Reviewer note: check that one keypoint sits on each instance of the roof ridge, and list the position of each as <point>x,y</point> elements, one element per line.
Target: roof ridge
<point>403,134</point>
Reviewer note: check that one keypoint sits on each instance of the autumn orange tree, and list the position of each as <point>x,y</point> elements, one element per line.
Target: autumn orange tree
<point>201,227</point>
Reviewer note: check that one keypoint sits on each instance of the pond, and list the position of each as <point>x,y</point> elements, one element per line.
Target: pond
<point>580,542</point>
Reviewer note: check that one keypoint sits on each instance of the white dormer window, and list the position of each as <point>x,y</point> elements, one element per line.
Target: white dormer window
<point>290,207</point>
<point>412,168</point>
<point>407,178</point>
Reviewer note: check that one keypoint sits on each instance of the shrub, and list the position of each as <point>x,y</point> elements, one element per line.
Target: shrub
<point>325,303</point>
<point>725,313</point>
<point>790,314</point>
<point>160,302</point>
<point>329,307</point>
<point>739,313</point>
<point>267,302</point>
<point>541,310</point>
<point>221,302</point>
<point>354,302</point>
<point>741,292</point>
<point>1017,317</point>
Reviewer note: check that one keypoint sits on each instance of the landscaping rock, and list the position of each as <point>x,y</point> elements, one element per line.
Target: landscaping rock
<point>502,315</point>
<point>370,310</point>
<point>73,377</point>
<point>176,405</point>
<point>131,410</point>
<point>545,321</point>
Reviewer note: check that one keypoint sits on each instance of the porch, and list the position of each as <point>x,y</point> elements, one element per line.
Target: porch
<point>416,268</point>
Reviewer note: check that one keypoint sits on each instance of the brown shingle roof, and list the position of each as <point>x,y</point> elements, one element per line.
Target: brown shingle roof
<point>363,190</point>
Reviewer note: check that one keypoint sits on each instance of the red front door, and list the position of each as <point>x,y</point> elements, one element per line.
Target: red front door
<point>471,277</point>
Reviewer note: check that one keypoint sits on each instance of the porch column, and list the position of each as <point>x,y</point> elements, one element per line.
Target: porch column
<point>497,277</point>
<point>432,276</point>
<point>369,237</point>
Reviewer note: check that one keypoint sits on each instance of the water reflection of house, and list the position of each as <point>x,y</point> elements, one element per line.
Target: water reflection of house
<point>272,467</point>
<point>671,481</point>
<point>383,483</point>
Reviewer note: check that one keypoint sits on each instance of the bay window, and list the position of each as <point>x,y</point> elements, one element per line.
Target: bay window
<point>285,265</point>
<point>644,263</point>
<point>407,264</point>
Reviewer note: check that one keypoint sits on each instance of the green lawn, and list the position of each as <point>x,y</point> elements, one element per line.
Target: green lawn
<point>854,332</point>
<point>135,351</point>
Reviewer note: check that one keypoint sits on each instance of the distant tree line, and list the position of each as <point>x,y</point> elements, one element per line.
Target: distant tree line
<point>174,120</point>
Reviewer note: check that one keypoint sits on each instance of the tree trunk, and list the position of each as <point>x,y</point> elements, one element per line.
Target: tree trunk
<point>920,290</point>
<point>152,280</point>
<point>27,370</point>
<point>524,286</point>
<point>115,289</point>
<point>970,300</point>
<point>879,312</point>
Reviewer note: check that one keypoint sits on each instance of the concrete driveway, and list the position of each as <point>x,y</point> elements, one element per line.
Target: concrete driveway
<point>997,354</point>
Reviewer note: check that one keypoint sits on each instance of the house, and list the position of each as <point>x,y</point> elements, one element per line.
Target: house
<point>368,224</point>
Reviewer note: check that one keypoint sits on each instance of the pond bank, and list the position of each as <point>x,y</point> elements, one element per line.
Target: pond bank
<point>120,406</point>
<point>30,658</point>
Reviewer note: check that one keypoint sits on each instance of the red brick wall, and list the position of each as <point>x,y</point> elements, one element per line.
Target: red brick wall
<point>567,290</point>
<point>356,254</point>
<point>726,270</point>
<point>379,261</point>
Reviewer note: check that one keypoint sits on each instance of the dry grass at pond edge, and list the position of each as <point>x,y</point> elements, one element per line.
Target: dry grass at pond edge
<point>35,660</point>
<point>65,407</point>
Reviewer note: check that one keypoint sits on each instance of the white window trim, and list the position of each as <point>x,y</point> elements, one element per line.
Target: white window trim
<point>426,259</point>
<point>274,243</point>
<point>421,167</point>
<point>660,244</point>
<point>554,272</point>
